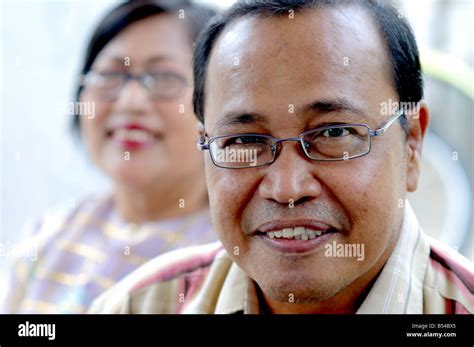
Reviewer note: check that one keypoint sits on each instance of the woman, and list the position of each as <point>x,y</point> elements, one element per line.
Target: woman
<point>137,77</point>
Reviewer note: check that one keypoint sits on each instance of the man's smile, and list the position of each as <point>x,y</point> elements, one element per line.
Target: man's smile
<point>298,236</point>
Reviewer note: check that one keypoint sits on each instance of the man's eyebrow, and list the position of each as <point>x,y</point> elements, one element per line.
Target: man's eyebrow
<point>240,118</point>
<point>326,106</point>
<point>320,106</point>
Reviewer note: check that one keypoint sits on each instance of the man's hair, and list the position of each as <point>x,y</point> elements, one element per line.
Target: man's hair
<point>395,30</point>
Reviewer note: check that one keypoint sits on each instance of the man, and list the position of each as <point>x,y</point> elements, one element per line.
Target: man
<point>308,172</point>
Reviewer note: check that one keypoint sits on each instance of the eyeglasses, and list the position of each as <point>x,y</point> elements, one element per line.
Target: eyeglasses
<point>108,85</point>
<point>335,142</point>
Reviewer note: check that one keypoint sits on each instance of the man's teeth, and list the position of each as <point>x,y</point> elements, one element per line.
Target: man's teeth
<point>298,233</point>
<point>136,135</point>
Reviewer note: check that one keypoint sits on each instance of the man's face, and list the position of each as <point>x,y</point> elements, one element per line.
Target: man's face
<point>270,67</point>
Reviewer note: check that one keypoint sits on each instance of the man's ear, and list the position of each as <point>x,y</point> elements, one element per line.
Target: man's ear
<point>418,120</point>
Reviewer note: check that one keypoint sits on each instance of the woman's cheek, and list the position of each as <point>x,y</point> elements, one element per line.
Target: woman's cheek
<point>93,131</point>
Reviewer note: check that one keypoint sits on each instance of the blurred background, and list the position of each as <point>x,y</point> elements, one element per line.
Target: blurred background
<point>43,166</point>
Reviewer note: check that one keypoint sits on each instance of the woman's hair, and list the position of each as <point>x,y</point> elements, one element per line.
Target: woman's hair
<point>120,17</point>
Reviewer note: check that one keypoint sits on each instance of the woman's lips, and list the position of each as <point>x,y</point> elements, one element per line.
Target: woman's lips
<point>133,137</point>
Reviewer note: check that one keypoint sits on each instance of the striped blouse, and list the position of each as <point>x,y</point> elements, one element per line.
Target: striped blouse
<point>73,256</point>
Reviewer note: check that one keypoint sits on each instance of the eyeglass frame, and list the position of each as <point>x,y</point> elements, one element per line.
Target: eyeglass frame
<point>202,145</point>
<point>127,76</point>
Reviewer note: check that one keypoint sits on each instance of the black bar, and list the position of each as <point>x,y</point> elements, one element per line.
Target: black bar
<point>166,330</point>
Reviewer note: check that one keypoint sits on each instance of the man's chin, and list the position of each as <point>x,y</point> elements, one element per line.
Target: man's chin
<point>301,291</point>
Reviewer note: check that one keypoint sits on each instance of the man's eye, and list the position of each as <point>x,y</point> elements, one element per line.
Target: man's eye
<point>244,140</point>
<point>336,132</point>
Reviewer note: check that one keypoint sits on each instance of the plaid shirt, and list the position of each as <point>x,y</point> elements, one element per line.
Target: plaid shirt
<point>420,276</point>
<point>86,250</point>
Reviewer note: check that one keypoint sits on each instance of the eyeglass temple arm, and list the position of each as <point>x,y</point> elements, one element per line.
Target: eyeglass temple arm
<point>387,125</point>
<point>202,145</point>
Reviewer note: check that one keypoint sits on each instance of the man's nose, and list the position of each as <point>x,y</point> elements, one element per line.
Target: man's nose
<point>291,177</point>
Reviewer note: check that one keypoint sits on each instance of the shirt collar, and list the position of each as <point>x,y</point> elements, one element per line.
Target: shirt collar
<point>399,287</point>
